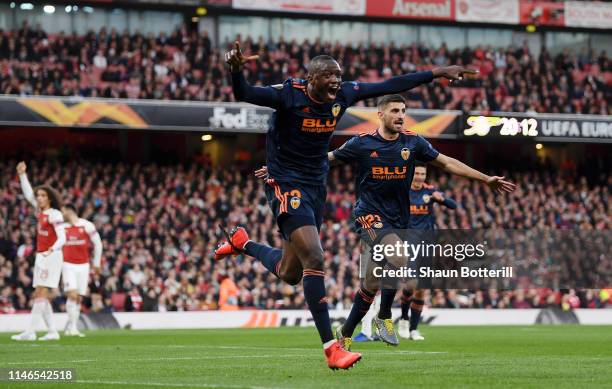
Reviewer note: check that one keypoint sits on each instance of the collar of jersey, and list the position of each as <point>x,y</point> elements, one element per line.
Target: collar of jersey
<point>310,97</point>
<point>377,133</point>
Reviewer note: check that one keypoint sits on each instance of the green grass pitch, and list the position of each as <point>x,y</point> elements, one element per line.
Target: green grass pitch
<point>450,357</point>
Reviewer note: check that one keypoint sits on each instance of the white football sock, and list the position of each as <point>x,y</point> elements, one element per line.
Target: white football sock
<point>47,315</point>
<point>37,313</point>
<point>366,322</point>
<point>69,305</point>
<point>73,310</point>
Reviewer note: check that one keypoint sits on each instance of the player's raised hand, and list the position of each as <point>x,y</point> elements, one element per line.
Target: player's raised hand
<point>262,172</point>
<point>236,59</point>
<point>21,168</point>
<point>438,196</point>
<point>454,72</point>
<point>500,185</point>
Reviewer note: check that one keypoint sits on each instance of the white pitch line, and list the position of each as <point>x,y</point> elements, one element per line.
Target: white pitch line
<point>174,385</point>
<point>401,352</point>
<point>405,352</point>
<point>152,359</point>
<point>197,346</point>
<point>310,349</point>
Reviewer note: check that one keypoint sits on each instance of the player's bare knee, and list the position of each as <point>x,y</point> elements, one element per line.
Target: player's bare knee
<point>72,295</point>
<point>295,280</point>
<point>290,276</point>
<point>313,259</point>
<point>41,292</point>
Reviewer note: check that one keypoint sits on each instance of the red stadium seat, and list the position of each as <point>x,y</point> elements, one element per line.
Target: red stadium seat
<point>118,301</point>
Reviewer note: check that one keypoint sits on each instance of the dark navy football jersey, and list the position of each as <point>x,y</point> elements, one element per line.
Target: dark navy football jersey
<point>421,208</point>
<point>384,173</point>
<point>301,128</point>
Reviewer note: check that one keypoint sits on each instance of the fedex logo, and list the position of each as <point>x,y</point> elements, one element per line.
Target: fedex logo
<point>245,118</point>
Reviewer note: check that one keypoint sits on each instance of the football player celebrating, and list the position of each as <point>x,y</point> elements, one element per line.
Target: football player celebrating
<point>50,239</point>
<point>385,161</point>
<point>306,114</point>
<point>422,199</point>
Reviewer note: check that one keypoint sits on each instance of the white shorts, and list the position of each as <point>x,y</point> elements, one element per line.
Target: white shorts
<point>47,270</point>
<point>76,277</point>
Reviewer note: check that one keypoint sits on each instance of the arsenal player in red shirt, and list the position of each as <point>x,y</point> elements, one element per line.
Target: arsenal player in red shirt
<point>50,238</point>
<point>81,235</point>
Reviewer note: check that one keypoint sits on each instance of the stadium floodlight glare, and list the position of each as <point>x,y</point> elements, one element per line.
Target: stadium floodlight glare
<point>68,8</point>
<point>88,9</point>
<point>539,146</point>
<point>49,9</point>
<point>195,19</point>
<point>26,6</point>
<point>75,8</point>
<point>12,5</point>
<point>206,138</point>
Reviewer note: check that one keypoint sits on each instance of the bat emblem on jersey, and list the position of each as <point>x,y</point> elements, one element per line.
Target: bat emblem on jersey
<point>295,202</point>
<point>405,153</point>
<point>426,198</point>
<point>335,109</point>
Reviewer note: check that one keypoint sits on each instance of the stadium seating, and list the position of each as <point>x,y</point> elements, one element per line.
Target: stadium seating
<point>185,66</point>
<point>159,234</point>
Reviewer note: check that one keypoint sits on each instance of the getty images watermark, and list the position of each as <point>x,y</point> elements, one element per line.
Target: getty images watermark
<point>488,258</point>
<point>412,252</point>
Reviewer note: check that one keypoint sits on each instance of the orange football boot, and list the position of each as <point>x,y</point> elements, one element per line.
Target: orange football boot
<point>339,358</point>
<point>236,240</point>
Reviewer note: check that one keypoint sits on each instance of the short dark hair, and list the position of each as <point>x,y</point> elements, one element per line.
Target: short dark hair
<point>55,200</point>
<point>420,164</point>
<point>386,99</point>
<point>71,207</point>
<point>319,63</point>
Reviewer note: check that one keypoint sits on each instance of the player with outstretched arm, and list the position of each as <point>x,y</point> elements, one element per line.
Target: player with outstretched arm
<point>50,239</point>
<point>422,199</point>
<point>306,114</point>
<point>385,160</point>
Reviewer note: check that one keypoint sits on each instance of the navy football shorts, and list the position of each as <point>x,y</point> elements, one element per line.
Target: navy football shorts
<point>372,228</point>
<point>295,205</point>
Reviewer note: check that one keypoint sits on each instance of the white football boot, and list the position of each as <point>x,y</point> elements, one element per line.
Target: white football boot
<point>50,336</point>
<point>416,335</point>
<point>404,329</point>
<point>24,336</point>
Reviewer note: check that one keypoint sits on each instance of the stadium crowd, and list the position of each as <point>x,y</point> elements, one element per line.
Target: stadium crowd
<point>187,66</point>
<point>159,226</point>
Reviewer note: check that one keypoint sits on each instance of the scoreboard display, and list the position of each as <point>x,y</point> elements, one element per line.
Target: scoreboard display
<point>540,127</point>
<point>500,126</point>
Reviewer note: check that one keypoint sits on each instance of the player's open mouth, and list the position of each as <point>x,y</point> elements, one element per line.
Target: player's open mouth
<point>332,91</point>
<point>399,122</point>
